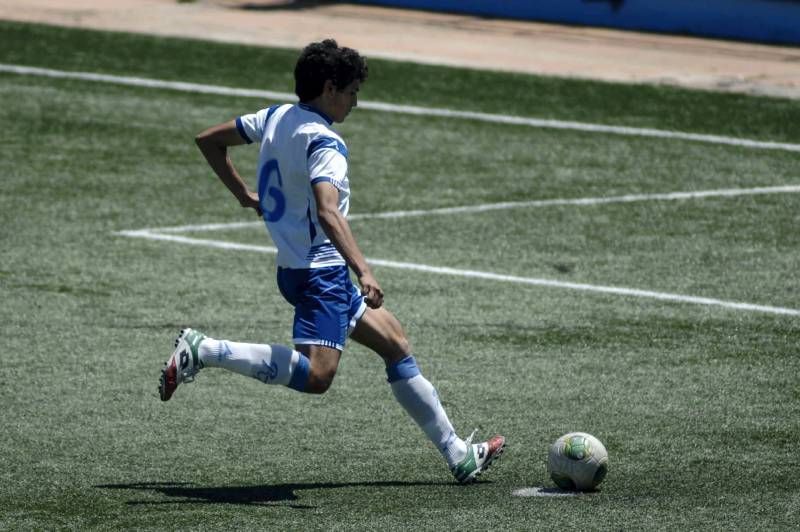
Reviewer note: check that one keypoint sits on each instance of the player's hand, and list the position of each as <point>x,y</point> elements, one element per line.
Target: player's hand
<point>371,290</point>
<point>250,201</point>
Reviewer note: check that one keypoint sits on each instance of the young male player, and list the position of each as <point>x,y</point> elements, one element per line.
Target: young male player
<point>304,197</point>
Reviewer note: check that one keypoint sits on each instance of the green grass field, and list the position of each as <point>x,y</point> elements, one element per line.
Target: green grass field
<point>698,405</point>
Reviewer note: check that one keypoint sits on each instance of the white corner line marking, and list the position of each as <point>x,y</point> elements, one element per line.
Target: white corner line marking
<point>403,109</point>
<point>150,234</point>
<point>628,198</point>
<point>488,276</point>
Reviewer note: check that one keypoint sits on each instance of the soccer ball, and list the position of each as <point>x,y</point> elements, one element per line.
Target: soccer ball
<point>577,461</point>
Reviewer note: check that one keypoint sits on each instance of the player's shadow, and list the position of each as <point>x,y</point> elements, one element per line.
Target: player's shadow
<point>267,494</point>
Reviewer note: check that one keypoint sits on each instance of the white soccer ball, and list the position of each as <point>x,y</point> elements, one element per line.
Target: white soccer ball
<point>577,461</point>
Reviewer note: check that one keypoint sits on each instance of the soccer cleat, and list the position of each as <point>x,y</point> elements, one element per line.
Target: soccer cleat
<point>479,457</point>
<point>182,365</point>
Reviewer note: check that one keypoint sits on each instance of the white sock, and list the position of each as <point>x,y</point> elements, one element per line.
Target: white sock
<point>419,398</point>
<point>271,364</point>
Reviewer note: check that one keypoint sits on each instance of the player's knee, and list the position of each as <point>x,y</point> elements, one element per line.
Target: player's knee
<point>318,386</point>
<point>319,381</point>
<point>399,348</point>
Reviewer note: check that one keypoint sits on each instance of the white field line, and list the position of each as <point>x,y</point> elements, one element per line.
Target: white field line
<point>488,276</point>
<point>628,198</point>
<point>150,234</point>
<point>404,109</point>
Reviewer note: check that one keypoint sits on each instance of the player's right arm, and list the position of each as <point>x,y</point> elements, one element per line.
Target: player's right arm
<point>214,143</point>
<point>337,229</point>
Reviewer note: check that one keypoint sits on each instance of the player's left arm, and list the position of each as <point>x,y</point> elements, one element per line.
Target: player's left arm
<point>214,143</point>
<point>337,229</point>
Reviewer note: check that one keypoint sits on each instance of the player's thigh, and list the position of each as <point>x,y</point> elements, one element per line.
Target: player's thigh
<point>380,331</point>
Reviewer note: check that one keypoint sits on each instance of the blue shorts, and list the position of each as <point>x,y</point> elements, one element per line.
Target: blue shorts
<point>326,304</point>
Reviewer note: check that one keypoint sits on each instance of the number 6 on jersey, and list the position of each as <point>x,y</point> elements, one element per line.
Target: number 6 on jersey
<point>274,212</point>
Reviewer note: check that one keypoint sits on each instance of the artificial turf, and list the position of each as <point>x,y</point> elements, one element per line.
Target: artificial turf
<point>697,405</point>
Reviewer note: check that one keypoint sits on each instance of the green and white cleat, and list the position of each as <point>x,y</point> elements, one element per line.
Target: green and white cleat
<point>479,457</point>
<point>182,365</point>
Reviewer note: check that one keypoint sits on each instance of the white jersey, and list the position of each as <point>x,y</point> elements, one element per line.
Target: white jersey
<point>298,150</point>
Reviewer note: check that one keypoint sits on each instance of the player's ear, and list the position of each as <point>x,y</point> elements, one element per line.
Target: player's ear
<point>328,87</point>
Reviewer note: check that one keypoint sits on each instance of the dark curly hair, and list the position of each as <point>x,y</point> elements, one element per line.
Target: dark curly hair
<point>324,60</point>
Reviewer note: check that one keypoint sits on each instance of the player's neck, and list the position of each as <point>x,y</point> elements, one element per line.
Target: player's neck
<point>318,106</point>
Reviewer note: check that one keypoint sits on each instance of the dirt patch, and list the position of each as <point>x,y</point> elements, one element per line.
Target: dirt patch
<point>443,39</point>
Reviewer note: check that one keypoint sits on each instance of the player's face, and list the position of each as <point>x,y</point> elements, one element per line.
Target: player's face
<point>344,100</point>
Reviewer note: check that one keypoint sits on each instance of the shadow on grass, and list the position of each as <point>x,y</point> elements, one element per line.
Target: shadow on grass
<point>246,495</point>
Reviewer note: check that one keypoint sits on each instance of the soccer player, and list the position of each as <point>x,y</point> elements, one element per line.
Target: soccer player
<point>304,197</point>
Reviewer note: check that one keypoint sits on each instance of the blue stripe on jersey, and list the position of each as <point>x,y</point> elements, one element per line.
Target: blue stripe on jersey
<point>240,128</point>
<point>322,179</point>
<point>322,251</point>
<point>270,112</point>
<point>310,108</point>
<point>320,143</point>
<point>312,231</point>
<point>324,257</point>
<point>320,256</point>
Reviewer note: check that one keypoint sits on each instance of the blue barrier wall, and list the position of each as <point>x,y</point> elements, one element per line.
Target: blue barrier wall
<point>773,21</point>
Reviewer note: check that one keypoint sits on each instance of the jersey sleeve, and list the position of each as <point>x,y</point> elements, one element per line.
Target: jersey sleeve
<point>327,161</point>
<point>251,127</point>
